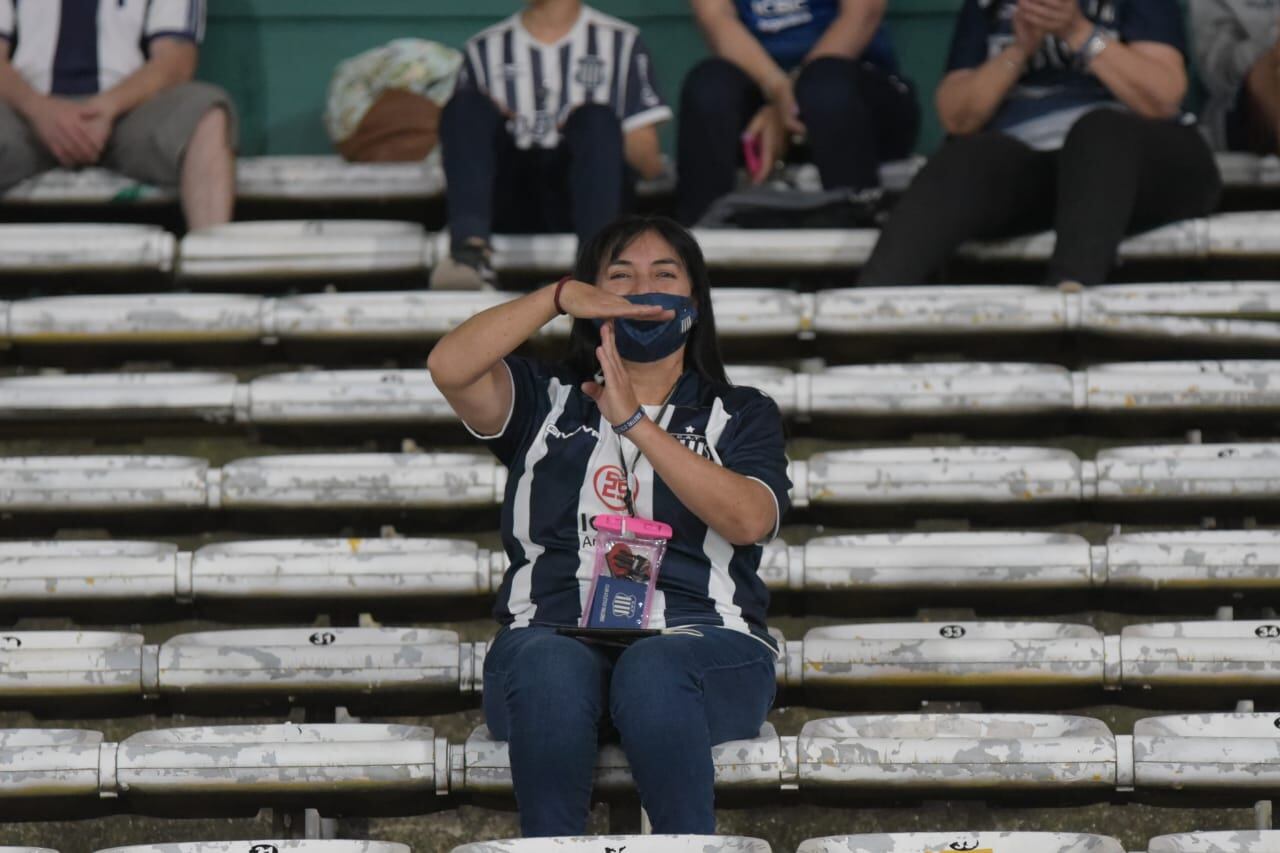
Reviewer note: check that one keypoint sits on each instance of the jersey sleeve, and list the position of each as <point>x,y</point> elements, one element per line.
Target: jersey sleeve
<point>642,104</point>
<point>182,19</point>
<point>754,445</point>
<point>530,381</point>
<point>1153,20</point>
<point>969,39</point>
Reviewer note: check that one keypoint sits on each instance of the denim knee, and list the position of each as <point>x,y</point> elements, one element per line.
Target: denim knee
<point>593,124</point>
<point>538,673</point>
<point>709,84</point>
<point>826,86</point>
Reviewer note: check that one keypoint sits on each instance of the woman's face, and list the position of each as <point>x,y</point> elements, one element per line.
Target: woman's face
<point>648,265</point>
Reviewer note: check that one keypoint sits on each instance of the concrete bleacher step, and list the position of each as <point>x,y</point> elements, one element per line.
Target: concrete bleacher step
<point>85,187</point>
<point>959,842</point>
<point>265,846</point>
<point>48,573</point>
<point>62,664</point>
<point>68,248</point>
<point>200,395</point>
<point>362,481</point>
<point>161,318</point>
<point>103,483</point>
<point>1194,561</point>
<point>380,315</point>
<point>482,765</point>
<point>356,764</point>
<point>342,570</point>
<point>938,656</point>
<point>1236,311</point>
<point>1205,312</point>
<point>345,396</point>
<point>331,178</point>
<point>1241,654</point>
<point>939,562</point>
<point>1234,754</point>
<point>917,390</point>
<point>325,661</point>
<point>1189,472</point>
<point>1239,385</point>
<point>619,843</point>
<point>1231,841</point>
<point>282,249</point>
<point>938,389</point>
<point>40,765</point>
<point>910,754</point>
<point>937,475</point>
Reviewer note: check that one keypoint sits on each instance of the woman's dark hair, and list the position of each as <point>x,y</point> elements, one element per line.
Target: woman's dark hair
<point>702,350</point>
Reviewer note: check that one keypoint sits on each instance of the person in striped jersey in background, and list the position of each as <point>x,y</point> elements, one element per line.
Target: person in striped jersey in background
<point>555,114</point>
<point>110,83</point>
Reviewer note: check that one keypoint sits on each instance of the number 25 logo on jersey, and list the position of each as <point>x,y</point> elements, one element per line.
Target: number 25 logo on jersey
<point>611,487</point>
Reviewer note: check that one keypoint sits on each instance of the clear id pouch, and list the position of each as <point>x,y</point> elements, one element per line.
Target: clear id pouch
<point>628,557</point>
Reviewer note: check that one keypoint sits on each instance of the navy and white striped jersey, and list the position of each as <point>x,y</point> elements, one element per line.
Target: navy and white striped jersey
<point>601,60</point>
<point>82,47</point>
<point>564,469</point>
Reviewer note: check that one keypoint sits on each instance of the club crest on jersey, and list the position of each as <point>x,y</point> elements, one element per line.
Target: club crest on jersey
<point>695,442</point>
<point>590,72</point>
<point>611,487</point>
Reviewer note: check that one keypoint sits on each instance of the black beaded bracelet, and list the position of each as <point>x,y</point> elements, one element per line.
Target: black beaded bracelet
<point>630,422</point>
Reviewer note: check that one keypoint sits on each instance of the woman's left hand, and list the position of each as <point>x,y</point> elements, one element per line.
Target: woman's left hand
<point>616,398</point>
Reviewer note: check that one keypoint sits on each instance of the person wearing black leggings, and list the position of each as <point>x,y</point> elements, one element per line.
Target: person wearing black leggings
<point>1058,119</point>
<point>822,68</point>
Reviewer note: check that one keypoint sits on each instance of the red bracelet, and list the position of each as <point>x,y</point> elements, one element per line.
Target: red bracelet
<point>560,286</point>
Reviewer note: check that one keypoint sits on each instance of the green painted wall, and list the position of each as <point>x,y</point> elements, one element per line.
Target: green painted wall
<point>276,56</point>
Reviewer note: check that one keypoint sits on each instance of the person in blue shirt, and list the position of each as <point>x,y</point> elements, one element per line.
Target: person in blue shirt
<point>1063,114</point>
<point>638,419</point>
<point>824,69</point>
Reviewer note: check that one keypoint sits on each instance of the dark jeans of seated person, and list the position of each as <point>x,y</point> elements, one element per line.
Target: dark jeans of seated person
<point>1116,174</point>
<point>671,698</point>
<point>495,186</point>
<point>856,117</point>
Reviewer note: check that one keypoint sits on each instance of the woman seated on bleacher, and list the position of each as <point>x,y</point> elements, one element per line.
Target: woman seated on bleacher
<point>1237,52</point>
<point>1058,119</point>
<point>822,68</point>
<point>637,419</point>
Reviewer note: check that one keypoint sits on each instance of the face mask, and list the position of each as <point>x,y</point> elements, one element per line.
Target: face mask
<point>644,340</point>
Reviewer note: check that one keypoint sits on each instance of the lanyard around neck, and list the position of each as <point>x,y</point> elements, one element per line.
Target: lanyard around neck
<point>626,467</point>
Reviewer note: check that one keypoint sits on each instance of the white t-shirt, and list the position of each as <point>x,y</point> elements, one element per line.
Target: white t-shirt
<point>82,47</point>
<point>601,60</point>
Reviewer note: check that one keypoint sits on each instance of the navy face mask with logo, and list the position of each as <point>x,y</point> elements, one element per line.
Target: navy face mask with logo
<point>646,340</point>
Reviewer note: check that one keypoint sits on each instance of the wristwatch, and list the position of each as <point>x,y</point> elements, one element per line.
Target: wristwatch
<point>1094,45</point>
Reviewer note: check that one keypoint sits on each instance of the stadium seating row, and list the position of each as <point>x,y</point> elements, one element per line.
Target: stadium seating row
<point>887,477</point>
<point>367,766</point>
<point>1244,312</point>
<point>362,571</point>
<point>285,249</point>
<point>332,662</point>
<point>1241,841</point>
<point>329,178</point>
<point>303,178</point>
<point>880,390</point>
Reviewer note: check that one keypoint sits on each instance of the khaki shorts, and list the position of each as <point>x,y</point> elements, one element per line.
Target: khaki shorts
<point>147,143</point>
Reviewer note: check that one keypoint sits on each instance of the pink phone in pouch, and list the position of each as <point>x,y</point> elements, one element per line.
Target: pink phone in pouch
<point>751,154</point>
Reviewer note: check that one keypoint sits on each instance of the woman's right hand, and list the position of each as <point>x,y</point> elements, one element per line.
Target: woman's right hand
<point>588,302</point>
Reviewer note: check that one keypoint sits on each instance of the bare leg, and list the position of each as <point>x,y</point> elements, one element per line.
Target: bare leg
<point>209,173</point>
<point>1263,86</point>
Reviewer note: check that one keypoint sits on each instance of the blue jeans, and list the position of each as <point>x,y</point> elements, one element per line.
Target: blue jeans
<point>671,698</point>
